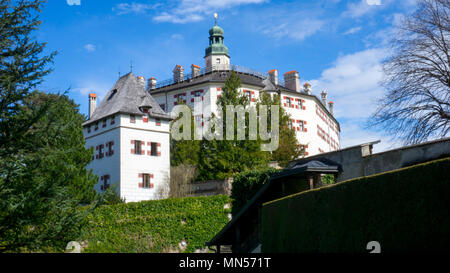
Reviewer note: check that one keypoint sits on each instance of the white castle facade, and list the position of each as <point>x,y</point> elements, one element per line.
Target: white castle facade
<point>312,118</point>
<point>130,135</point>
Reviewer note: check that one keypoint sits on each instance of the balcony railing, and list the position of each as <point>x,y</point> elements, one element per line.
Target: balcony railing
<point>219,67</point>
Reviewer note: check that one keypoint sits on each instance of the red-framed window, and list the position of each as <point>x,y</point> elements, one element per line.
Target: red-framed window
<point>105,180</point>
<point>145,182</point>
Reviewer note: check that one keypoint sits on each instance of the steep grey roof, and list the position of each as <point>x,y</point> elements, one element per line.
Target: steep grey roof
<point>127,96</point>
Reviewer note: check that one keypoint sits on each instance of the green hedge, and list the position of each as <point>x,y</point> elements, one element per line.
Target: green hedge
<point>405,211</point>
<point>155,226</point>
<point>246,185</point>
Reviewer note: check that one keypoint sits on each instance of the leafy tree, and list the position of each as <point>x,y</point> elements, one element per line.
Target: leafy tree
<point>220,159</point>
<point>42,154</point>
<point>289,148</point>
<point>416,105</point>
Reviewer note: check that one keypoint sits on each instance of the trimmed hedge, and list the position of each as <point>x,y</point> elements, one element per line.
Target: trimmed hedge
<point>405,211</point>
<point>155,226</point>
<point>246,185</point>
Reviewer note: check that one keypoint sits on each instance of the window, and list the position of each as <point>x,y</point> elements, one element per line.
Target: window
<point>105,180</point>
<point>301,126</point>
<point>137,147</point>
<point>109,146</point>
<point>154,149</point>
<point>100,153</point>
<point>132,118</point>
<point>146,180</point>
<point>114,92</point>
<point>300,104</point>
<point>113,121</point>
<point>288,102</point>
<point>158,122</point>
<point>217,61</point>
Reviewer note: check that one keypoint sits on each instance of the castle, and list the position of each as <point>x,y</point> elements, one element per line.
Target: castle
<point>312,118</point>
<point>130,129</point>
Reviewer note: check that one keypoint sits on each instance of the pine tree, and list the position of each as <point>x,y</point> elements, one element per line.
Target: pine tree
<point>42,156</point>
<point>221,159</point>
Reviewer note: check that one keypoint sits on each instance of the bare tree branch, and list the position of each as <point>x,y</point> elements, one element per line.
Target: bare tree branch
<point>416,106</point>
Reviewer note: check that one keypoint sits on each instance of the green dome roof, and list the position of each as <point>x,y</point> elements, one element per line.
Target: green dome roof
<point>216,31</point>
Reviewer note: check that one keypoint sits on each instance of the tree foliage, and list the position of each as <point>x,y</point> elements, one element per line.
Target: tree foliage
<point>42,156</point>
<point>289,148</point>
<point>417,103</point>
<point>220,159</point>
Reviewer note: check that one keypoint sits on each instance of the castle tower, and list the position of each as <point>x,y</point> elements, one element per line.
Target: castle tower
<point>216,55</point>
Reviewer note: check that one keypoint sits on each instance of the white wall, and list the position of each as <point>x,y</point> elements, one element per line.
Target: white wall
<point>123,167</point>
<point>315,143</point>
<point>132,165</point>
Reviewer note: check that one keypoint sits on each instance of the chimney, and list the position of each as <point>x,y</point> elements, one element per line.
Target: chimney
<point>92,104</point>
<point>331,107</point>
<point>141,81</point>
<point>178,73</point>
<point>273,76</point>
<point>324,98</point>
<point>195,70</point>
<point>307,88</point>
<point>151,83</point>
<point>292,80</point>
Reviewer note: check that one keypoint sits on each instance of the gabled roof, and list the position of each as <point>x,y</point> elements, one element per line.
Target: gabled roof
<point>127,96</point>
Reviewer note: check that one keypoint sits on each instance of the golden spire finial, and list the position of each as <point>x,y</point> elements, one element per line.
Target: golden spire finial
<point>215,17</point>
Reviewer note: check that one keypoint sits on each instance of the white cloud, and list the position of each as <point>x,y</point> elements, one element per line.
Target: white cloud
<point>195,10</point>
<point>73,2</point>
<point>126,8</point>
<point>363,7</point>
<point>353,84</point>
<point>292,27</point>
<point>90,47</point>
<point>88,87</point>
<point>352,30</point>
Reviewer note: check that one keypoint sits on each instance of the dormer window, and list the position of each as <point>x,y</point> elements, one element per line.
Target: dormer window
<point>113,93</point>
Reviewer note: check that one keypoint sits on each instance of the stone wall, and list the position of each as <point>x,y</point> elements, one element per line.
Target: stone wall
<point>358,161</point>
<point>210,188</point>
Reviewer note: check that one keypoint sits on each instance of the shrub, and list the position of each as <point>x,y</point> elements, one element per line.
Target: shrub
<point>404,210</point>
<point>155,226</point>
<point>246,185</point>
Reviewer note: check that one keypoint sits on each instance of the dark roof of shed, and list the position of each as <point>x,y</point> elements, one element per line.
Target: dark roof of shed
<point>127,96</point>
<point>321,165</point>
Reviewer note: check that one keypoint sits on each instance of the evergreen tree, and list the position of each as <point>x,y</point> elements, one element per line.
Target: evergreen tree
<point>42,154</point>
<point>220,159</point>
<point>288,148</point>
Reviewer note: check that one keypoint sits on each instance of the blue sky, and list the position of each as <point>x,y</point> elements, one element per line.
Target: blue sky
<point>337,45</point>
